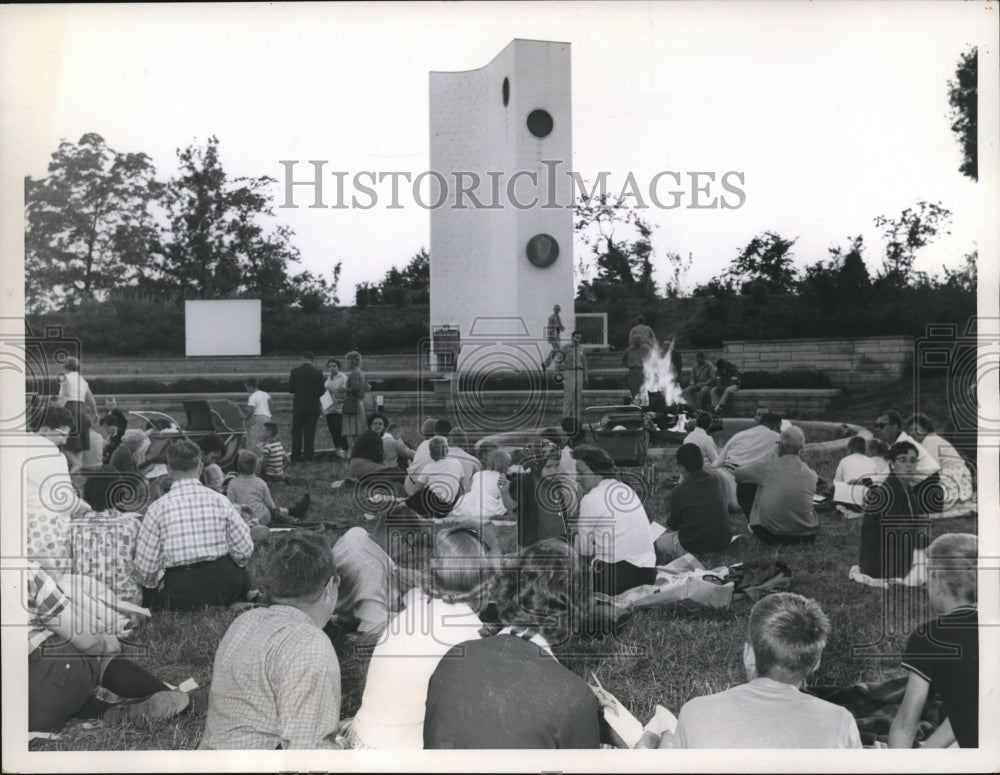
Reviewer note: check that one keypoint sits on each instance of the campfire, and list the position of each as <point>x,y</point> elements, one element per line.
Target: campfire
<point>660,394</point>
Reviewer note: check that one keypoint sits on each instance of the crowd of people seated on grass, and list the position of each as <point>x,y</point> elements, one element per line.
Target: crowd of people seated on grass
<point>463,644</point>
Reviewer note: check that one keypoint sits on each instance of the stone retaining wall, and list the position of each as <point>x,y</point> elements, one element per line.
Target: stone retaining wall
<point>849,363</point>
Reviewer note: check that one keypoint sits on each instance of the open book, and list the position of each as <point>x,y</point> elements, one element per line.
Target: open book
<point>625,725</point>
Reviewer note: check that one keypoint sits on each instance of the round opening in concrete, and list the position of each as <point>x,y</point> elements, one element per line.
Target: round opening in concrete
<point>540,123</point>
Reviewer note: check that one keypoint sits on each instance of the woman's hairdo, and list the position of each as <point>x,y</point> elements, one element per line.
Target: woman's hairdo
<point>462,566</point>
<point>540,591</point>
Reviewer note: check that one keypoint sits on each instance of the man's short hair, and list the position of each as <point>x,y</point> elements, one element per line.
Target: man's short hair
<point>295,566</point>
<point>438,446</point>
<point>703,420</point>
<point>442,427</point>
<point>699,356</point>
<point>596,459</point>
<point>892,417</point>
<point>951,558</point>
<point>690,458</point>
<point>771,420</point>
<point>271,427</point>
<point>856,445</point>
<point>251,382</point>
<point>57,417</point>
<point>427,427</point>
<point>183,455</point>
<point>793,439</point>
<point>788,633</point>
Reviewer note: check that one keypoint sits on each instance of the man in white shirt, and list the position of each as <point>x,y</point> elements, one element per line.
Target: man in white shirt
<point>700,438</point>
<point>749,446</point>
<point>613,528</point>
<point>435,486</point>
<point>788,633</point>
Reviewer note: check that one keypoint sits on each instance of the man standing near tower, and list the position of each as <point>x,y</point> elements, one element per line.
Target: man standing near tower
<point>553,329</point>
<point>574,370</point>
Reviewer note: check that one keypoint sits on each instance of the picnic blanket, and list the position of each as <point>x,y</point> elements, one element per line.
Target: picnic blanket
<point>874,705</point>
<point>684,582</point>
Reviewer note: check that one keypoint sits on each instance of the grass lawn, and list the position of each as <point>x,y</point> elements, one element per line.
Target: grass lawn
<point>662,655</point>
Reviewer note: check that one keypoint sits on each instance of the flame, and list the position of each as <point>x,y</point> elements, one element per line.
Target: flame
<point>658,376</point>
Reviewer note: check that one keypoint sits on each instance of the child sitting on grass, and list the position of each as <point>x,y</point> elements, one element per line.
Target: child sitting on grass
<point>943,656</point>
<point>275,459</point>
<point>212,448</point>
<point>788,633</point>
<point>252,494</point>
<point>276,678</point>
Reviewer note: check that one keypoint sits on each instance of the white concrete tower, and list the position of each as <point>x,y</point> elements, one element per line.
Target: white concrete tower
<point>500,263</point>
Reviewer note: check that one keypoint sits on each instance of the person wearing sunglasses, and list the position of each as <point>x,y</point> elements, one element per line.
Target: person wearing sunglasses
<point>925,477</point>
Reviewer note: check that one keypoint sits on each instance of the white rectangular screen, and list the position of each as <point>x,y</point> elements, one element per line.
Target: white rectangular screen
<point>225,327</point>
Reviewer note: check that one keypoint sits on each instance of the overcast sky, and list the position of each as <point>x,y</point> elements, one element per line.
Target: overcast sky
<point>834,113</point>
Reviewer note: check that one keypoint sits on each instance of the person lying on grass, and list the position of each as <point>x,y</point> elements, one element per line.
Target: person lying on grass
<point>69,657</point>
<point>943,656</point>
<point>788,633</point>
<point>276,678</point>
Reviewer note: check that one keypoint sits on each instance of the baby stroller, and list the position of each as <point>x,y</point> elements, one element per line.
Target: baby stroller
<point>225,418</point>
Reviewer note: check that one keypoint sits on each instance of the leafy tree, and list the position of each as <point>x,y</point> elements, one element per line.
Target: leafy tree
<point>964,113</point>
<point>905,235</point>
<point>841,282</point>
<point>409,286</point>
<point>764,264</point>
<point>964,279</point>
<point>90,225</point>
<point>223,242</point>
<point>619,238</point>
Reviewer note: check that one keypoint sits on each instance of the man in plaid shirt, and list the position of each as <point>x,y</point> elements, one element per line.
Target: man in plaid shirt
<point>193,545</point>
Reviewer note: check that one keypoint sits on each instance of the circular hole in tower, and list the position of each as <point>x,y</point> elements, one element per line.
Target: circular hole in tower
<point>506,91</point>
<point>539,122</point>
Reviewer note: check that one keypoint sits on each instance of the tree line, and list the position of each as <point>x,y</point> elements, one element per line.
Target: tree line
<point>101,224</point>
